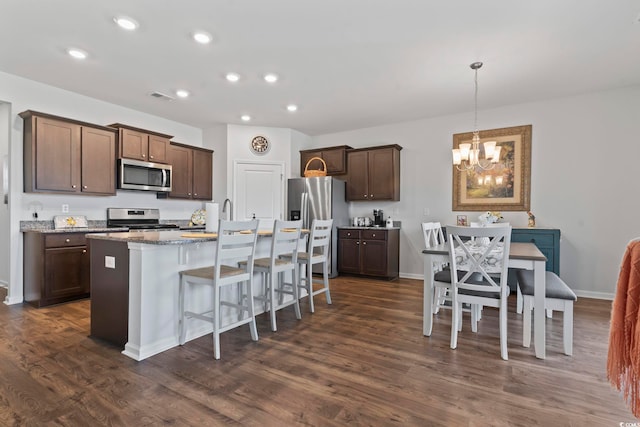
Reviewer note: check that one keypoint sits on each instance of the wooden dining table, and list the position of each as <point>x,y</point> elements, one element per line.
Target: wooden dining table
<point>521,255</point>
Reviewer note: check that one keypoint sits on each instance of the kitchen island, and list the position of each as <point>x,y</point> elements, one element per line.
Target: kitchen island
<point>134,287</point>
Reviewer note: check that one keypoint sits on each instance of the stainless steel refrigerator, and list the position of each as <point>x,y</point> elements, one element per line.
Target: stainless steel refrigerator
<point>319,198</point>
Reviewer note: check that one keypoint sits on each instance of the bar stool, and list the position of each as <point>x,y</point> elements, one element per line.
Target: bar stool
<point>236,241</point>
<point>317,253</point>
<point>285,239</point>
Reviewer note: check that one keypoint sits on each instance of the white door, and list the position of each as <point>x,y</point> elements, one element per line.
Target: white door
<point>258,191</point>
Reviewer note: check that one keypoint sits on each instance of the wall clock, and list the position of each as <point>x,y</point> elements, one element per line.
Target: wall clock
<point>260,145</point>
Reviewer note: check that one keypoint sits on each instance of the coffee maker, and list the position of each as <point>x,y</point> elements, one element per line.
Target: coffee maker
<point>378,218</point>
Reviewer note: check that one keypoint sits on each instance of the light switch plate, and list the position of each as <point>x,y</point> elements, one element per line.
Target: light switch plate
<point>110,261</point>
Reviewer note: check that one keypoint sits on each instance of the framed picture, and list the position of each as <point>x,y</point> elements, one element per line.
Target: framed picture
<point>504,187</point>
<point>462,220</point>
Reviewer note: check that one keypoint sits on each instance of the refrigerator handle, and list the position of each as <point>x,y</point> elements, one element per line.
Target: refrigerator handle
<point>304,205</point>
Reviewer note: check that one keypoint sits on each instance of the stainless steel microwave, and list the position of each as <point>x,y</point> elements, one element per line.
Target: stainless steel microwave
<point>137,175</point>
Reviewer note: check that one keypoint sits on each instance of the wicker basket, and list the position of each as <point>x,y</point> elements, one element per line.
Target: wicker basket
<point>310,173</point>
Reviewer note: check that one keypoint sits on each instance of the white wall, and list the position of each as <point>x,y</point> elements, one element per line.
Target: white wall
<point>5,111</point>
<point>25,94</point>
<point>584,172</point>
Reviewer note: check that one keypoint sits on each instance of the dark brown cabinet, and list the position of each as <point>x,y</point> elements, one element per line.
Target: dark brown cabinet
<point>374,173</point>
<point>334,157</point>
<point>67,156</point>
<point>192,169</point>
<point>56,268</point>
<point>369,251</point>
<point>141,144</point>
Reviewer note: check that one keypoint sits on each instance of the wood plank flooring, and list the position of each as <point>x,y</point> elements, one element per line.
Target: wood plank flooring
<point>361,361</point>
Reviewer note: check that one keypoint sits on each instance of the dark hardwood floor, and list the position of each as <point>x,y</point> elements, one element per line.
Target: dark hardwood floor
<point>361,361</point>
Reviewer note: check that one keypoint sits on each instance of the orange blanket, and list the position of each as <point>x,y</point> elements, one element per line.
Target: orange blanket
<point>623,364</point>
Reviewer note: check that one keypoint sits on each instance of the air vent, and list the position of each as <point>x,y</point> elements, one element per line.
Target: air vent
<point>160,95</point>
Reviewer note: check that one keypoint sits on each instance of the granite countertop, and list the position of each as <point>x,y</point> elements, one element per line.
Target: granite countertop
<point>93,227</point>
<point>180,237</point>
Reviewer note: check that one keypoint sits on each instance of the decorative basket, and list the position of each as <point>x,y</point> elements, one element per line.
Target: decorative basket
<point>311,173</point>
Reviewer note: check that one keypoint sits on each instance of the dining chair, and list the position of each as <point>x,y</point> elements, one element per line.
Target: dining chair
<point>317,252</point>
<point>434,236</point>
<point>479,275</point>
<point>284,241</point>
<point>236,241</point>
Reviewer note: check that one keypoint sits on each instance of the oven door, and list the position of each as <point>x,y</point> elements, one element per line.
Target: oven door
<point>137,175</point>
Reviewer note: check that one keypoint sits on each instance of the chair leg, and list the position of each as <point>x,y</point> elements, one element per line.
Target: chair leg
<point>474,318</point>
<point>252,325</point>
<point>567,328</point>
<point>435,305</point>
<point>182,328</point>
<point>272,297</point>
<point>549,313</point>
<point>503,329</point>
<point>519,300</point>
<point>296,290</point>
<point>216,322</point>
<point>526,321</point>
<point>309,285</point>
<point>325,278</point>
<point>456,309</point>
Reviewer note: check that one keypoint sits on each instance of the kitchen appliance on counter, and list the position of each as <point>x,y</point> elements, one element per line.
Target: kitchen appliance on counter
<point>319,198</point>
<point>137,219</point>
<point>378,218</point>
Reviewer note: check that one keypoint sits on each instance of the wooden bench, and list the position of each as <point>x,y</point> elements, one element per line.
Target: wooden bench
<point>558,296</point>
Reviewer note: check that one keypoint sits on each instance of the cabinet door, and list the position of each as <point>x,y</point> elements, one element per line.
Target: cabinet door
<point>66,272</point>
<point>158,149</point>
<point>181,161</point>
<point>336,161</point>
<point>381,174</point>
<point>133,144</point>
<point>349,256</point>
<point>98,161</point>
<point>358,176</point>
<point>57,156</point>
<point>374,257</point>
<point>202,173</point>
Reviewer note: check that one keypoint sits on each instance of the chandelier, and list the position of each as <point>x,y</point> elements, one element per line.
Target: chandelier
<point>467,156</point>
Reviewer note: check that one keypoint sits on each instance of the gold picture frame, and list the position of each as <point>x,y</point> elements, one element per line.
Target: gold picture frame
<point>506,187</point>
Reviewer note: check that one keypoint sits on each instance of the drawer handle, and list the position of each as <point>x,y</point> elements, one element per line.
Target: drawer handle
<point>143,155</point>
<point>373,235</point>
<point>357,243</point>
<point>84,251</point>
<point>67,240</point>
<point>73,186</point>
<point>364,243</point>
<point>84,186</point>
<point>151,157</point>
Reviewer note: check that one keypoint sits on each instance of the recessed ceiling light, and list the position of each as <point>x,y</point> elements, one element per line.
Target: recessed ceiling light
<point>202,37</point>
<point>292,107</point>
<point>77,53</point>
<point>270,78</point>
<point>245,117</point>
<point>182,93</point>
<point>126,22</point>
<point>232,77</point>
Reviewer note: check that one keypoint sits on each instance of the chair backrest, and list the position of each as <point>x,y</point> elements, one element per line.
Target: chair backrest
<point>285,240</point>
<point>320,237</point>
<point>432,233</point>
<point>473,263</point>
<point>236,243</point>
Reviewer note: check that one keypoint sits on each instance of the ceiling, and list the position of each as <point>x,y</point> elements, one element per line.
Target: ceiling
<point>347,64</point>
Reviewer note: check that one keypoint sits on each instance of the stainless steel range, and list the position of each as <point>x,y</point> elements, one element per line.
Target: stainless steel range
<point>137,219</point>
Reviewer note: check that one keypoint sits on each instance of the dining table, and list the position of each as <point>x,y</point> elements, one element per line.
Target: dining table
<point>521,255</point>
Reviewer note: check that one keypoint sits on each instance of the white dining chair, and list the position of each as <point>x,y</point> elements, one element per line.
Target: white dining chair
<point>434,236</point>
<point>479,276</point>
<point>236,241</point>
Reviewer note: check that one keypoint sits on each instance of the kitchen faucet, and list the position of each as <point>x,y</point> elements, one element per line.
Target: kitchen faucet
<point>224,209</point>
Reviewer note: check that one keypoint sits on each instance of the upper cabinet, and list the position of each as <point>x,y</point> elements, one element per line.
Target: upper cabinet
<point>374,173</point>
<point>141,144</point>
<point>192,169</point>
<point>334,157</point>
<point>68,156</point>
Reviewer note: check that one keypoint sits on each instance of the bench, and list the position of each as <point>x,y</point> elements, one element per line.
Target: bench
<point>558,296</point>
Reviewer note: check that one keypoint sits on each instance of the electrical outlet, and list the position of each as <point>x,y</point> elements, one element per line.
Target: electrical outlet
<point>110,262</point>
<point>65,208</point>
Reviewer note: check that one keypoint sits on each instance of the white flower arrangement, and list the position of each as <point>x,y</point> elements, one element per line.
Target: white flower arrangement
<point>490,217</point>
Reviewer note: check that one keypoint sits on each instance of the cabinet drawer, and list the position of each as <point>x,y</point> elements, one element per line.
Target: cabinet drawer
<point>348,234</point>
<point>62,240</point>
<point>374,234</point>
<point>539,239</point>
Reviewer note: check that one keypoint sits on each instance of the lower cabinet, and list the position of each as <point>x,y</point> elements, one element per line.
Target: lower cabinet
<point>56,268</point>
<point>369,251</point>
<point>546,239</point>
